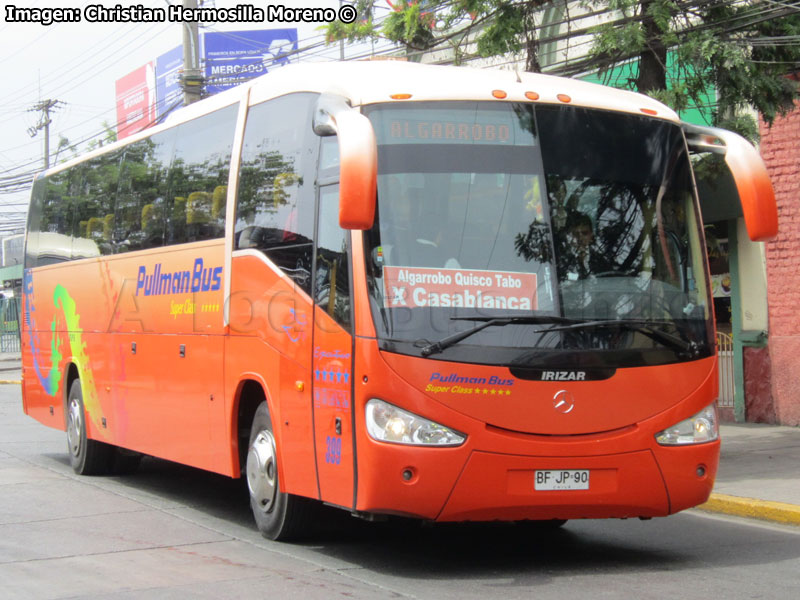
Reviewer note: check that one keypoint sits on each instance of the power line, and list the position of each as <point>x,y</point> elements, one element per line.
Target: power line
<point>315,46</point>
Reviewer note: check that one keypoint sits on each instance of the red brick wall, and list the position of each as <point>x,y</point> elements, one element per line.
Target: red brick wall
<point>780,148</point>
<point>759,406</point>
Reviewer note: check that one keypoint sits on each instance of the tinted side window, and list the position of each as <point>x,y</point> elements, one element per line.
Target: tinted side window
<point>55,220</point>
<point>199,177</point>
<point>93,207</point>
<point>275,200</point>
<point>34,223</point>
<point>143,199</point>
<point>170,188</point>
<point>332,276</point>
<point>61,192</point>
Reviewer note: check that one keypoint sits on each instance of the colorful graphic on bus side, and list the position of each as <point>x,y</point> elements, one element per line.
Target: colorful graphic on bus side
<point>50,382</point>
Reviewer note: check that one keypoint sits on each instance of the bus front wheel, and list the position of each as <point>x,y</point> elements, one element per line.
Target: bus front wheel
<point>278,515</point>
<point>87,457</point>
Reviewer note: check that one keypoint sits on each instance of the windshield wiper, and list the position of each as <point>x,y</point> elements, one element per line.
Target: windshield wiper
<point>488,322</point>
<point>643,326</point>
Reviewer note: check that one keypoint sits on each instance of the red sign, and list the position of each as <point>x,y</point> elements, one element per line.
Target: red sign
<point>136,101</point>
<point>416,287</point>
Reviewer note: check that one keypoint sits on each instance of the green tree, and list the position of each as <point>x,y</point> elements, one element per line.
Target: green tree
<point>107,136</point>
<point>496,27</point>
<point>743,49</point>
<point>65,145</point>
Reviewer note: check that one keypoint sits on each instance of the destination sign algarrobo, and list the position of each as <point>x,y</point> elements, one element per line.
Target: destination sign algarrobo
<point>448,130</point>
<point>417,287</point>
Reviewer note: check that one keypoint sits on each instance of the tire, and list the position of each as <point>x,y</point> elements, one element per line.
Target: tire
<point>87,457</point>
<point>278,515</point>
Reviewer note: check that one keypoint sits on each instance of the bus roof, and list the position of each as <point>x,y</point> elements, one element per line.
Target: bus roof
<point>371,82</point>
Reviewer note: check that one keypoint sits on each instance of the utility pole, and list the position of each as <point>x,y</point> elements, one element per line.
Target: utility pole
<point>192,78</point>
<point>45,106</point>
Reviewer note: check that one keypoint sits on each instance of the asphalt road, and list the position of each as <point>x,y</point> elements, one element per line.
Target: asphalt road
<point>173,532</point>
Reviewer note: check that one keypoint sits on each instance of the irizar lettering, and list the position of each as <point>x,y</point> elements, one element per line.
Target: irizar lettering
<point>563,375</point>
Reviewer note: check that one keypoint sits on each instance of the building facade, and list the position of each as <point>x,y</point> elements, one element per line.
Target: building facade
<point>772,372</point>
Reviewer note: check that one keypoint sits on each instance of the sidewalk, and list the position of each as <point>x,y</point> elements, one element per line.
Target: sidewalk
<point>10,368</point>
<point>759,473</point>
<point>758,476</point>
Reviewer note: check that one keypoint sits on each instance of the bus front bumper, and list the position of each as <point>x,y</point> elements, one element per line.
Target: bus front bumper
<point>493,486</point>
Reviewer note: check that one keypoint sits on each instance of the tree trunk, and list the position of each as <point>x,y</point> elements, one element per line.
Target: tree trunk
<point>532,64</point>
<point>653,59</point>
<point>532,56</point>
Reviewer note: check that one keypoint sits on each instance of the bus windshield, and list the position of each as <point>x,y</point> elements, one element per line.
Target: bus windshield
<point>538,219</point>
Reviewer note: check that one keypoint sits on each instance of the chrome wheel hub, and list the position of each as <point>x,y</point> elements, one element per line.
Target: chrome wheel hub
<point>74,425</point>
<point>262,471</point>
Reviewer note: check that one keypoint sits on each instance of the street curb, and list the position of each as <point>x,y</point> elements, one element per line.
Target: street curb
<point>753,508</point>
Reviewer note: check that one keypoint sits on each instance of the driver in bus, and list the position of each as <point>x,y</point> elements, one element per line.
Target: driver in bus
<point>579,252</point>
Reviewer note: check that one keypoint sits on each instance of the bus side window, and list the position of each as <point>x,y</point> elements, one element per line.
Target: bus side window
<point>94,205</point>
<point>199,178</point>
<point>143,193</point>
<point>51,218</point>
<point>34,223</point>
<point>329,158</point>
<point>275,197</point>
<point>56,214</point>
<point>332,277</point>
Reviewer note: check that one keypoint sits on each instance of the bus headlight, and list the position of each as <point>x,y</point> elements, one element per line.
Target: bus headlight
<point>387,423</point>
<point>702,427</point>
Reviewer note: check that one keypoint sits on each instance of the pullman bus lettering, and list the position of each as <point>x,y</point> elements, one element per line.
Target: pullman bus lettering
<point>199,279</point>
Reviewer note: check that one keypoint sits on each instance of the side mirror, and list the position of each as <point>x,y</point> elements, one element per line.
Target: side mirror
<point>358,159</point>
<point>756,197</point>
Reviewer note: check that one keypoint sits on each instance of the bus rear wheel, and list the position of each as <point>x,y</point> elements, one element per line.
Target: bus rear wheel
<point>87,457</point>
<point>278,515</point>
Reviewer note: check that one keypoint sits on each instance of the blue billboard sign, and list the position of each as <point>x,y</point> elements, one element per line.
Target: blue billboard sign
<point>169,95</point>
<point>233,57</point>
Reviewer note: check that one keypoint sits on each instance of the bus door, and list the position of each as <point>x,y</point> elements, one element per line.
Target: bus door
<point>332,359</point>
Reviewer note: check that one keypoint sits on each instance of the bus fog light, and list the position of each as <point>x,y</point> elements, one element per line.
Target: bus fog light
<point>702,427</point>
<point>388,423</point>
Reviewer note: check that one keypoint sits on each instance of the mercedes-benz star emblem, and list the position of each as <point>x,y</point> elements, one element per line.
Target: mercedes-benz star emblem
<point>563,402</point>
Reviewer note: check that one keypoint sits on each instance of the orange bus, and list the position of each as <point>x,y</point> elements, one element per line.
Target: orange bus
<point>396,289</point>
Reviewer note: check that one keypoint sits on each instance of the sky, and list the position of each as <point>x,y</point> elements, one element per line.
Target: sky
<point>78,64</point>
